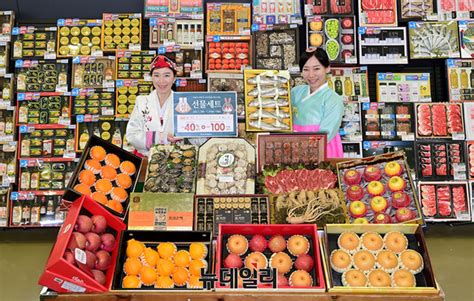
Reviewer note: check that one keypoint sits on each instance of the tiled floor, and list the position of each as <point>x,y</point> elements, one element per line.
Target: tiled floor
<point>24,253</point>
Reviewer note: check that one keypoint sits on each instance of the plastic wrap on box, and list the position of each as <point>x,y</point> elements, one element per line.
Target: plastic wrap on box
<point>445,201</point>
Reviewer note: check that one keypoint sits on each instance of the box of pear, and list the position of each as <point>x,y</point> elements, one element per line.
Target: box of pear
<point>108,174</point>
<point>83,257</point>
<point>377,259</point>
<point>379,190</point>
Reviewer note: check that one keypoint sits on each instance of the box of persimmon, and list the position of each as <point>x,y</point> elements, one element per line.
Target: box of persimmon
<point>84,256</point>
<point>379,190</point>
<point>378,259</point>
<point>269,257</point>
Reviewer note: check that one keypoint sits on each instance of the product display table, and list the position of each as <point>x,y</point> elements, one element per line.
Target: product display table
<point>237,296</point>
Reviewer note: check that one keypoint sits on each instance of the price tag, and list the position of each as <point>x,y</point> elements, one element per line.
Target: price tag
<point>408,137</point>
<point>80,255</point>
<point>458,136</point>
<point>108,84</point>
<point>135,47</point>
<point>72,287</point>
<point>97,53</point>
<point>61,89</point>
<point>225,179</point>
<point>211,114</point>
<point>64,120</point>
<point>107,111</point>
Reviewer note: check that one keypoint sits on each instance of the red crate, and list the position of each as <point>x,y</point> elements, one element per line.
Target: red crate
<point>60,275</point>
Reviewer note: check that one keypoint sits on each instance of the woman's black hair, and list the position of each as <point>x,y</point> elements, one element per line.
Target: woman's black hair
<point>319,53</point>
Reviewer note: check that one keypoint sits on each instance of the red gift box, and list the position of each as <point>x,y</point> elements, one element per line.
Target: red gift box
<point>309,231</point>
<point>63,277</point>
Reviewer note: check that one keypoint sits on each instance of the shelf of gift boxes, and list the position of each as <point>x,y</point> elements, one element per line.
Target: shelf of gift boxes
<point>36,209</point>
<point>4,201</point>
<point>7,125</point>
<point>58,103</point>
<point>47,145</point>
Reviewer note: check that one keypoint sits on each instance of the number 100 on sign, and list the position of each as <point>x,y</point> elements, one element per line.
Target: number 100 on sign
<point>205,125</point>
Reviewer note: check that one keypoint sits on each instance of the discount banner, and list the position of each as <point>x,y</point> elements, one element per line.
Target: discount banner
<point>205,114</point>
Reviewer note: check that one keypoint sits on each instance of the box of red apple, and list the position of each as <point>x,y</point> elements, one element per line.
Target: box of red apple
<point>290,253</point>
<point>84,256</point>
<point>379,190</point>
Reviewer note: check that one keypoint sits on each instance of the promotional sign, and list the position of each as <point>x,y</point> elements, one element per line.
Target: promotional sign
<point>205,114</point>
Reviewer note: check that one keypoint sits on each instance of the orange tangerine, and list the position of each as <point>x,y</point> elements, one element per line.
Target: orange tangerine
<point>197,250</point>
<point>103,185</point>
<point>108,173</point>
<point>148,275</point>
<point>98,152</point>
<point>112,160</point>
<point>164,282</point>
<point>115,205</point>
<point>93,165</point>
<point>99,197</point>
<point>182,258</point>
<point>87,177</point>
<point>196,265</point>
<point>83,189</point>
<point>180,276</point>
<point>150,257</point>
<point>119,194</point>
<point>194,282</point>
<point>164,267</point>
<point>131,282</point>
<point>123,180</point>
<point>166,249</point>
<point>132,266</point>
<point>128,168</point>
<point>134,248</point>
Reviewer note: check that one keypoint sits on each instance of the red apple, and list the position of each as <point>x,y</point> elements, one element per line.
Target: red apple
<point>352,177</point>
<point>347,39</point>
<point>357,209</point>
<point>396,183</point>
<point>361,220</point>
<point>382,218</point>
<point>404,214</point>
<point>393,169</point>
<point>400,199</point>
<point>347,23</point>
<point>372,173</point>
<point>375,188</point>
<point>355,193</point>
<point>378,204</point>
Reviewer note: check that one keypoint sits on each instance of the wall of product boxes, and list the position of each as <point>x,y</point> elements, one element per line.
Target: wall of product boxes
<point>62,83</point>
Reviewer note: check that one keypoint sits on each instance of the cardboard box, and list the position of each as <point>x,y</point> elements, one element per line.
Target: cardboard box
<point>161,211</point>
<point>426,283</point>
<point>379,161</point>
<point>110,149</point>
<point>211,211</point>
<point>182,239</point>
<point>308,231</point>
<point>61,276</point>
